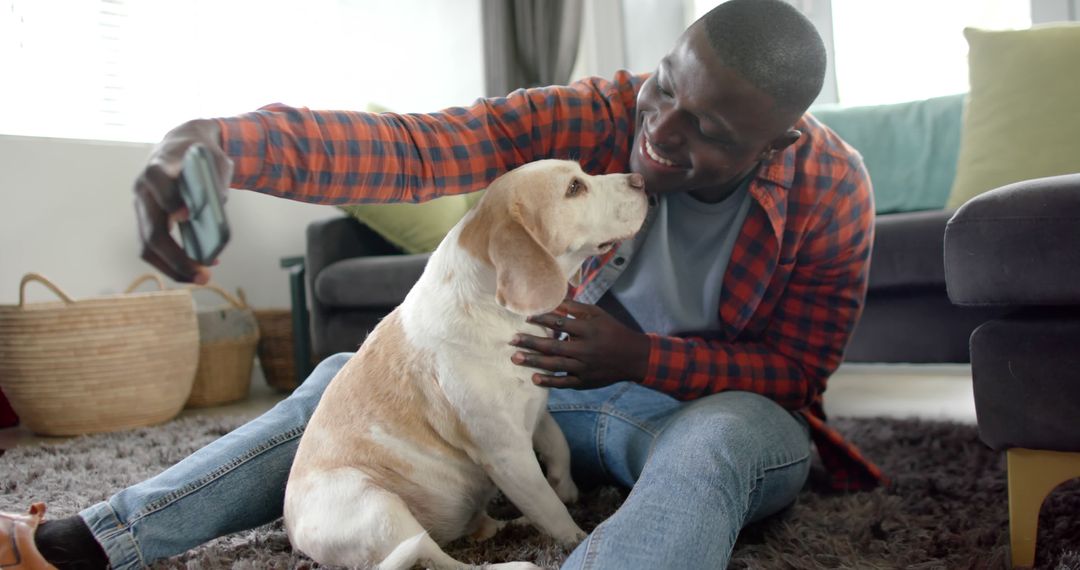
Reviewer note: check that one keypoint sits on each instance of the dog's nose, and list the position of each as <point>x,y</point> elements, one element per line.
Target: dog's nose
<point>637,181</point>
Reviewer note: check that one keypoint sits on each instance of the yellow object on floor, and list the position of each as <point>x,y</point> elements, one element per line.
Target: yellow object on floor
<point>1033,474</point>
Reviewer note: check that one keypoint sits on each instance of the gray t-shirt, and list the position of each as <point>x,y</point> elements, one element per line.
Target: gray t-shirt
<point>672,285</point>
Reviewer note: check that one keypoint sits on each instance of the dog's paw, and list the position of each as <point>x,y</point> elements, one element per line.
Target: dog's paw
<point>573,538</point>
<point>565,489</point>
<point>487,528</point>
<point>514,566</point>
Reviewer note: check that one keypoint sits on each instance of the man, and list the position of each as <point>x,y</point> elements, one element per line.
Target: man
<point>748,277</point>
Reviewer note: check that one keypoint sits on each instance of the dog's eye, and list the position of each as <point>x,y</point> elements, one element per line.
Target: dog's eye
<point>576,187</point>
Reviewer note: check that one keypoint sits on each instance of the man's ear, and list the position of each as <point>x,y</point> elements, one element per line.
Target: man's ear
<point>528,281</point>
<point>780,143</point>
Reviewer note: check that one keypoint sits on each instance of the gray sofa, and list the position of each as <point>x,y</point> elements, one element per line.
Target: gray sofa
<point>354,276</point>
<point>1015,248</point>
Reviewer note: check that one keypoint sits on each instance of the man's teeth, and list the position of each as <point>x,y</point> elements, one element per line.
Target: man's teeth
<point>652,154</point>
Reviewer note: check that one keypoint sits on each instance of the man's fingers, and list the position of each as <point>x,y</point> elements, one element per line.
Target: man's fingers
<point>181,215</point>
<point>200,276</point>
<point>549,381</point>
<point>544,362</point>
<point>159,181</point>
<point>575,308</point>
<point>150,256</point>
<point>543,345</point>
<point>159,205</point>
<point>158,246</point>
<point>557,322</point>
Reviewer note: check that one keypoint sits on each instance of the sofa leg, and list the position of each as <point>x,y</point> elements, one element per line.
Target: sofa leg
<point>1033,474</point>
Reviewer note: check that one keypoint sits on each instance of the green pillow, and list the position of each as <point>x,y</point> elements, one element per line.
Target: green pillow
<point>415,228</point>
<point>909,148</point>
<point>1023,113</point>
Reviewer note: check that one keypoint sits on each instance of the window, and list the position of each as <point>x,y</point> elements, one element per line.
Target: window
<point>133,69</point>
<point>892,51</point>
<point>887,51</point>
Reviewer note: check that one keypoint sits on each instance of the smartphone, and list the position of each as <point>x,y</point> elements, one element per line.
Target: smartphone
<point>206,230</point>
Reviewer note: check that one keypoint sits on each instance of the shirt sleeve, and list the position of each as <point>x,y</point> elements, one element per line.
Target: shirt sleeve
<point>804,341</point>
<point>337,157</point>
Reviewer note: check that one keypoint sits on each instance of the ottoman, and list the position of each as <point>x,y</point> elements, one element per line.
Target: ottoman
<point>1018,247</point>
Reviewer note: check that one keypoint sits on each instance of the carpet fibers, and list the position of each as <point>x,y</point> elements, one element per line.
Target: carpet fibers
<point>947,507</point>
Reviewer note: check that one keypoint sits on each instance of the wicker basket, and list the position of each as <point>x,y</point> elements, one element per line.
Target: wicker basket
<point>99,364</point>
<point>276,348</point>
<point>227,339</point>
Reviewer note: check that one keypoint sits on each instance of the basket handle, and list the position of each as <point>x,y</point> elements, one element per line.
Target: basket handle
<point>143,279</point>
<point>41,279</point>
<point>240,303</point>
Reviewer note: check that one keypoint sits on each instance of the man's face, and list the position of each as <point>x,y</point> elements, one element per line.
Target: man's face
<point>701,127</point>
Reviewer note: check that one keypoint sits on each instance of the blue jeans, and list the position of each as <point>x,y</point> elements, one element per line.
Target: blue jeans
<point>699,472</point>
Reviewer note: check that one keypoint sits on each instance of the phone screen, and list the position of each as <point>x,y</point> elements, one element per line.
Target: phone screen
<point>206,231</point>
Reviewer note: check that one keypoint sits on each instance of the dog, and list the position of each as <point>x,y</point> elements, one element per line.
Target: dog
<point>421,427</point>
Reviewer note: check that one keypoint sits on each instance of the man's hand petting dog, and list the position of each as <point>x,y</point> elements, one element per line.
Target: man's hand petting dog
<point>598,350</point>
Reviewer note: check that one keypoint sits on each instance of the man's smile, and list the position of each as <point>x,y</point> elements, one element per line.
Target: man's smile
<point>656,158</point>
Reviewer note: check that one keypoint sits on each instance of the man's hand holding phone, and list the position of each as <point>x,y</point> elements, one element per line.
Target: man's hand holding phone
<point>184,183</point>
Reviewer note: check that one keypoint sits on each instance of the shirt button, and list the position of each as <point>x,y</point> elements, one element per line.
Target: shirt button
<point>620,260</point>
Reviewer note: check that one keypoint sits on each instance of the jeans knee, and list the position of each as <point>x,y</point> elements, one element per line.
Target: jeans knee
<point>714,420</point>
<point>332,364</point>
<point>312,388</point>
<point>743,430</point>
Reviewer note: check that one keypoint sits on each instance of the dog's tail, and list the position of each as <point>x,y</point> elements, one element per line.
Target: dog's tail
<point>405,555</point>
<point>420,549</point>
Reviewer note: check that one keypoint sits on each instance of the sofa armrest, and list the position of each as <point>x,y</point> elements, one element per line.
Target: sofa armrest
<point>1017,245</point>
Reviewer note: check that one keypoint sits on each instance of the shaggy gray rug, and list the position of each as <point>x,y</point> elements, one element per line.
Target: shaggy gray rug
<point>946,509</point>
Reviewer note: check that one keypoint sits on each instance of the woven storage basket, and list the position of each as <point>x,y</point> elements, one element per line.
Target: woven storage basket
<point>98,364</point>
<point>227,339</point>
<point>276,348</point>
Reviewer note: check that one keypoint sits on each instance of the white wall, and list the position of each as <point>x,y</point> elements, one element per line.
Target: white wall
<point>66,211</point>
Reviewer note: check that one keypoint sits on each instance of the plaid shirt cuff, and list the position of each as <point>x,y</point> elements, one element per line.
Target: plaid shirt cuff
<point>667,362</point>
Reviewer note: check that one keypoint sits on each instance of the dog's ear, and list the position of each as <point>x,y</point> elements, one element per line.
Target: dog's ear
<point>528,280</point>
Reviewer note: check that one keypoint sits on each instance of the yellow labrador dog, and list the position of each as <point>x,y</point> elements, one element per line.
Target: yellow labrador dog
<point>416,432</point>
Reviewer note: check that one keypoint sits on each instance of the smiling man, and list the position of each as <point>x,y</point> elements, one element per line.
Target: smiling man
<point>694,364</point>
<point>705,119</point>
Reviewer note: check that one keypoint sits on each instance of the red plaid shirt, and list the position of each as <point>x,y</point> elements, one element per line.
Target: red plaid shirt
<point>796,281</point>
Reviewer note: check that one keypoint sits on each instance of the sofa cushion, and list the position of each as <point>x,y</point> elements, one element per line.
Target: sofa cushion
<point>1027,392</point>
<point>415,228</point>
<point>907,253</point>
<point>909,148</point>
<point>344,330</point>
<point>1021,119</point>
<point>914,324</point>
<point>1017,245</point>
<point>908,250</point>
<point>376,281</point>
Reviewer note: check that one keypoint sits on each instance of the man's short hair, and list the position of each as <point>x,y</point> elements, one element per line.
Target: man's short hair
<point>771,45</point>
